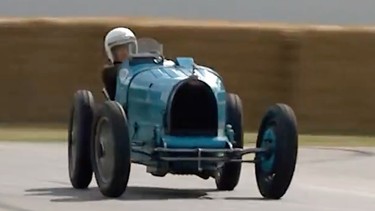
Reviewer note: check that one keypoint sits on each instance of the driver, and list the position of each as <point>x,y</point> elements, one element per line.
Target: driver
<point>118,44</point>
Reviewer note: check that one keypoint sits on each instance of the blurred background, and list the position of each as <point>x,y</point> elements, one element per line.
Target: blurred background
<point>291,11</point>
<point>316,56</point>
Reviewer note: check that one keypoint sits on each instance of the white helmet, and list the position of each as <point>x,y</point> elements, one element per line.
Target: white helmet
<point>120,36</point>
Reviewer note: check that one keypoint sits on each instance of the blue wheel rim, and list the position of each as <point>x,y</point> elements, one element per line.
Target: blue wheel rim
<point>268,158</point>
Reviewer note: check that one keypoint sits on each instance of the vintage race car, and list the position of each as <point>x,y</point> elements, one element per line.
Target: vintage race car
<point>175,117</point>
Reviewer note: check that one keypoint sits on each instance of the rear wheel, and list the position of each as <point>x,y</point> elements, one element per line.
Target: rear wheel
<point>111,150</point>
<point>274,169</point>
<point>81,116</point>
<point>228,176</point>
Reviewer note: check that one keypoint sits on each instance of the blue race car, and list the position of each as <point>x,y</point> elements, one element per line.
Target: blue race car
<point>175,117</point>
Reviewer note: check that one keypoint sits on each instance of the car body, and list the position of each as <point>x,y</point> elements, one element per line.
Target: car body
<point>156,100</point>
<point>177,117</point>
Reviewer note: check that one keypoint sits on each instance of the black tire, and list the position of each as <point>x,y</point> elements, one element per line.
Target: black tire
<point>228,176</point>
<point>111,161</point>
<point>79,137</point>
<point>274,170</point>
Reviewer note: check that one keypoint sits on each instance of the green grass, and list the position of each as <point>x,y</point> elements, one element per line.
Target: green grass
<point>33,133</point>
<point>43,133</point>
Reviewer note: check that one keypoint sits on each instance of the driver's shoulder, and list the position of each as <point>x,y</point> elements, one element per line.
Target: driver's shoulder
<point>110,70</point>
<point>111,66</point>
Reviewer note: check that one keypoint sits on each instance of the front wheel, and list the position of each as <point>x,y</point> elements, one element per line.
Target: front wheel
<point>228,176</point>
<point>111,150</point>
<point>81,116</point>
<point>274,169</point>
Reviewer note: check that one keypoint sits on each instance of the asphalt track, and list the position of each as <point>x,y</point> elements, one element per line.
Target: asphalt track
<point>34,176</point>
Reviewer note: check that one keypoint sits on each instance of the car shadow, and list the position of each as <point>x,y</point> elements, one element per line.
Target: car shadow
<point>133,193</point>
<point>248,199</point>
